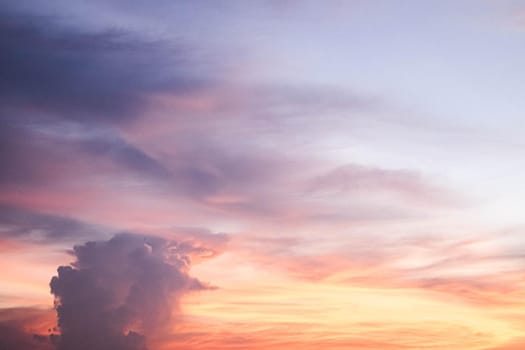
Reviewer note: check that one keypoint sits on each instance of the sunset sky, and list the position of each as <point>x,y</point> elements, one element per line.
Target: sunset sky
<point>255,175</point>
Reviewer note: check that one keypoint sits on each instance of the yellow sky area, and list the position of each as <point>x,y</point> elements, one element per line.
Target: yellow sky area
<point>25,275</point>
<point>253,306</point>
<point>261,307</point>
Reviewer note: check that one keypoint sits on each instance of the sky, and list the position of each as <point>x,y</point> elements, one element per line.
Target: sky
<point>212,175</point>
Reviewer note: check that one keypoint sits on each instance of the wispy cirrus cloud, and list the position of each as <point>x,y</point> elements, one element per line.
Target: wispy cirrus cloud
<point>83,76</point>
<point>478,271</point>
<point>19,224</point>
<point>64,89</point>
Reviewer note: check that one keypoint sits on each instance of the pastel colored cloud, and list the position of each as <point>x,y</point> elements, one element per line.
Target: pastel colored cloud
<point>341,176</point>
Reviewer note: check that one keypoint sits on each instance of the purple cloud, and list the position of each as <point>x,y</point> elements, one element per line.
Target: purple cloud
<point>27,225</point>
<point>120,291</point>
<point>83,76</point>
<point>18,330</point>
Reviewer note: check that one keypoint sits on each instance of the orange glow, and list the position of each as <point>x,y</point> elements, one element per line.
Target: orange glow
<point>256,308</point>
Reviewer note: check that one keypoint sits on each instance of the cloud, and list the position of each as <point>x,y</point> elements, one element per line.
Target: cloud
<point>27,225</point>
<point>118,292</point>
<point>124,154</point>
<point>355,178</point>
<point>475,271</point>
<point>66,99</point>
<point>63,89</point>
<point>48,154</point>
<point>21,329</point>
<point>84,76</point>
<point>200,243</point>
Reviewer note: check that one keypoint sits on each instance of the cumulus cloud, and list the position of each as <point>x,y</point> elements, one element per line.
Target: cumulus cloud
<point>120,293</point>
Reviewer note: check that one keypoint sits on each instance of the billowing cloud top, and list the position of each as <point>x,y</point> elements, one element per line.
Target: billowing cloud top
<point>117,291</point>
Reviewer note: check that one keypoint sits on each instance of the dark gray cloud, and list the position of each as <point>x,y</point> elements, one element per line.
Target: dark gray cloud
<point>58,78</point>
<point>13,337</point>
<point>15,330</point>
<point>19,156</point>
<point>27,225</point>
<point>117,292</point>
<point>48,69</point>
<point>124,154</point>
<point>54,77</point>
